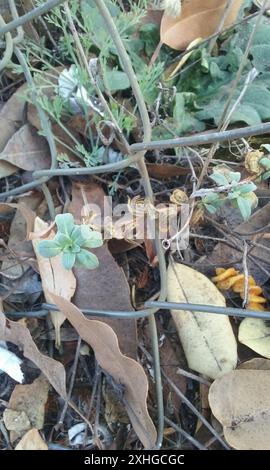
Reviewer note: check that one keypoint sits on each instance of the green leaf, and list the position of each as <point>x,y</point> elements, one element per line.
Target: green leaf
<point>49,248</point>
<point>185,120</point>
<point>265,162</point>
<point>80,233</point>
<point>87,260</point>
<point>210,208</point>
<point>247,187</point>
<point>115,80</point>
<point>266,147</point>
<point>266,175</point>
<point>234,176</point>
<point>260,54</point>
<point>244,207</point>
<point>65,223</point>
<point>219,178</point>
<point>94,240</point>
<point>62,240</point>
<point>68,259</point>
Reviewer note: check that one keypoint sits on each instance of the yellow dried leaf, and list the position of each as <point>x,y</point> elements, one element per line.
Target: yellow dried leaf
<point>207,338</point>
<point>224,274</point>
<point>255,333</point>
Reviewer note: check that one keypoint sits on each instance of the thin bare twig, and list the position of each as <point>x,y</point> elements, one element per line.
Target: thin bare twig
<point>245,269</point>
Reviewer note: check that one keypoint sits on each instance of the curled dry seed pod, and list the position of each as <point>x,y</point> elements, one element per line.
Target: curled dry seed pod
<point>179,197</point>
<point>252,162</point>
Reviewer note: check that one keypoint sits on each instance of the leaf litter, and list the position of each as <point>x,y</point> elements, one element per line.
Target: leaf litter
<point>111,376</point>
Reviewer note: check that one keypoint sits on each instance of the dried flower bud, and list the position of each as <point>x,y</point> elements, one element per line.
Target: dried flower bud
<point>252,162</point>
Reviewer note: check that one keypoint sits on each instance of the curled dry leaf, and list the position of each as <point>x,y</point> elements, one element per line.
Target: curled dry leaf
<point>255,333</point>
<point>25,150</point>
<point>198,19</point>
<point>31,441</point>
<point>54,277</point>
<point>18,334</point>
<point>208,340</point>
<point>126,372</point>
<point>240,400</point>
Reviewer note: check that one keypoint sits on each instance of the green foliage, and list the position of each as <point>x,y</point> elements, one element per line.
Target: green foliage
<point>265,162</point>
<point>208,80</point>
<point>238,193</point>
<point>71,241</point>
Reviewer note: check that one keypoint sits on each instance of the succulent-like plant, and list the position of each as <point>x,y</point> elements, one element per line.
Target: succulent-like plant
<point>71,240</point>
<point>239,193</point>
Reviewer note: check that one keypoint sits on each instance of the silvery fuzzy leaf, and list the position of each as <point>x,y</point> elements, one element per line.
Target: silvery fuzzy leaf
<point>65,223</point>
<point>71,90</point>
<point>49,248</point>
<point>87,260</point>
<point>68,259</point>
<point>94,240</point>
<point>68,82</point>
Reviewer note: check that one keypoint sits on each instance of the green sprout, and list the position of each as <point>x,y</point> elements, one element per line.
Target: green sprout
<point>71,241</point>
<point>240,194</point>
<point>265,163</point>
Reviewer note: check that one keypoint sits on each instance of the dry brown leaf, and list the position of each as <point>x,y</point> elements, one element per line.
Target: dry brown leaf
<point>240,400</point>
<point>166,170</point>
<point>257,363</point>
<point>54,277</point>
<point>21,225</point>
<point>125,371</point>
<point>199,19</point>
<point>16,421</point>
<point>30,399</point>
<point>106,287</point>
<point>26,150</point>
<point>31,441</point>
<point>11,116</point>
<point>207,339</point>
<point>18,334</point>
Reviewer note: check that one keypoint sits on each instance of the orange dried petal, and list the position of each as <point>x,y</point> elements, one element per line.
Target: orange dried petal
<point>220,271</point>
<point>254,298</point>
<point>239,286</point>
<point>255,290</point>
<point>255,306</point>
<point>251,281</point>
<point>225,274</point>
<point>228,283</point>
